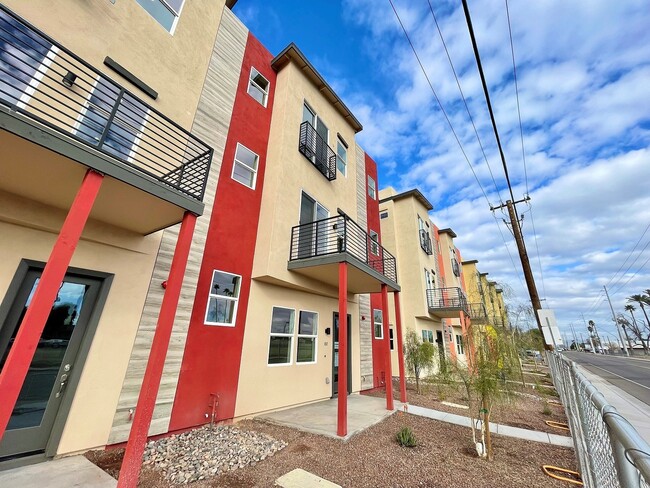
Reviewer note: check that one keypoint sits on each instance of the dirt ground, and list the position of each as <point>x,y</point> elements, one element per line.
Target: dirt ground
<point>444,457</point>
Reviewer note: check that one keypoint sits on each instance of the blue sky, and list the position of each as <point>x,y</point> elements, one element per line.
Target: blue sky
<point>583,71</point>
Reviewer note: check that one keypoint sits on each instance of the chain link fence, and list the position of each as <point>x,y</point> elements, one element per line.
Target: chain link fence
<point>610,452</point>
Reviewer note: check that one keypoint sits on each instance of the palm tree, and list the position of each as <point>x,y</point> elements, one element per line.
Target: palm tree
<point>641,300</point>
<point>630,308</point>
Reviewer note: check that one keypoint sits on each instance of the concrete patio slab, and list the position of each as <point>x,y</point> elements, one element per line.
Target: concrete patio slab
<point>299,478</point>
<point>69,472</point>
<point>320,417</point>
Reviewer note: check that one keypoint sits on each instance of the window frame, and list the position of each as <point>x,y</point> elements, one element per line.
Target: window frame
<point>374,324</point>
<point>277,334</point>
<point>265,93</point>
<point>165,4</point>
<point>374,243</point>
<point>236,161</point>
<point>372,187</point>
<point>383,214</point>
<point>429,336</point>
<point>212,295</point>
<point>460,346</point>
<point>314,337</point>
<point>341,144</point>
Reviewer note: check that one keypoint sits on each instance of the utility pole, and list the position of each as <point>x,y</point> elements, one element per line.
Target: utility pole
<point>575,339</point>
<point>525,262</point>
<point>618,327</point>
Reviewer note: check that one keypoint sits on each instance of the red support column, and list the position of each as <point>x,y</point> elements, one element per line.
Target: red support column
<point>130,471</point>
<point>30,330</point>
<point>400,348</point>
<point>389,375</point>
<point>342,418</point>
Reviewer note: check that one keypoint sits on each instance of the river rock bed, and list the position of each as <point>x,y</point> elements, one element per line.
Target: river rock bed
<point>208,451</point>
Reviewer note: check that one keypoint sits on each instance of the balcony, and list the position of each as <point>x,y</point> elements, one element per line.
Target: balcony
<point>316,150</point>
<point>425,242</point>
<point>60,116</point>
<point>318,247</point>
<point>477,313</point>
<point>446,303</point>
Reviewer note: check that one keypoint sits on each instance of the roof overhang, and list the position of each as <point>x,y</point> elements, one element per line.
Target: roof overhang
<point>292,53</point>
<point>415,193</point>
<point>448,231</point>
<point>473,261</point>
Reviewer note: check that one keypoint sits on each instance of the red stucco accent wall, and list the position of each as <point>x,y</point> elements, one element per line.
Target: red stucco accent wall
<point>212,356</point>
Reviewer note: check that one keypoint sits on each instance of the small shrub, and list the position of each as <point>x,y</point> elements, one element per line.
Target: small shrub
<point>405,438</point>
<point>546,410</point>
<point>547,391</point>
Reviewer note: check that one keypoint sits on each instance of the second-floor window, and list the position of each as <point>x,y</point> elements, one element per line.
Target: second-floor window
<point>223,298</point>
<point>372,188</point>
<point>341,157</point>
<point>258,87</point>
<point>427,336</point>
<point>244,168</point>
<point>166,12</point>
<point>378,320</point>
<point>459,344</point>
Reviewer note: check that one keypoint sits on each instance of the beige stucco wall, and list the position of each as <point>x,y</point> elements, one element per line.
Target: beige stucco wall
<point>288,173</point>
<point>28,230</point>
<point>265,387</point>
<point>173,65</point>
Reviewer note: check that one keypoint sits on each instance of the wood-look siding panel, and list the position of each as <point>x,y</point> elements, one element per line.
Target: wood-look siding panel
<point>211,124</point>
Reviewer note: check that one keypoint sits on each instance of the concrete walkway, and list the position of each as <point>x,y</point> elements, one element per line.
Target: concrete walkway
<point>506,430</point>
<point>68,472</point>
<point>320,417</point>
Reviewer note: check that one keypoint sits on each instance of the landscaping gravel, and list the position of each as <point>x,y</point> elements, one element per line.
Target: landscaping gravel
<point>208,451</point>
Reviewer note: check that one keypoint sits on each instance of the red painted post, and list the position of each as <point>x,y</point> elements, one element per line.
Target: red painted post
<point>342,418</point>
<point>400,348</point>
<point>22,352</point>
<point>130,470</point>
<point>389,374</point>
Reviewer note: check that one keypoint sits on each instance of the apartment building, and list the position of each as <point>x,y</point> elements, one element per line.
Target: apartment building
<point>487,304</point>
<point>435,304</point>
<point>102,146</point>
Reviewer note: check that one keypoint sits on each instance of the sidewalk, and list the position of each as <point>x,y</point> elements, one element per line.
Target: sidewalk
<point>635,411</point>
<point>506,430</point>
<point>68,472</point>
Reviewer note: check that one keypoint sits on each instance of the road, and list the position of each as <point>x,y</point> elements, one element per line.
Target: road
<point>631,375</point>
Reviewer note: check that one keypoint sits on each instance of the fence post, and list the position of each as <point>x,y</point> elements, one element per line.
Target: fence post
<point>627,474</point>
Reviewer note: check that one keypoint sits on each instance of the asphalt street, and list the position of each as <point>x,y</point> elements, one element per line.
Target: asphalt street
<point>629,374</point>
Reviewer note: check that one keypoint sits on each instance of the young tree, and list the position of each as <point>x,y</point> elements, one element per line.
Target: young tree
<point>418,355</point>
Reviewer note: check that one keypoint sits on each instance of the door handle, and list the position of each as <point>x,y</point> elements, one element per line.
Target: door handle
<point>63,381</point>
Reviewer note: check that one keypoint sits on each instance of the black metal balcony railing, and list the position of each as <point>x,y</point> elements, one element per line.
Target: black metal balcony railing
<point>446,298</point>
<point>341,234</point>
<point>47,83</point>
<point>477,312</point>
<point>425,242</point>
<point>314,148</point>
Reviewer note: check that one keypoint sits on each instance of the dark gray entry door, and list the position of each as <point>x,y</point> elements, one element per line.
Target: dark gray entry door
<point>39,400</point>
<point>335,356</point>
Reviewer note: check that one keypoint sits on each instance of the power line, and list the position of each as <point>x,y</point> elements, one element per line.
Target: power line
<point>633,274</point>
<point>629,255</point>
<point>444,44</point>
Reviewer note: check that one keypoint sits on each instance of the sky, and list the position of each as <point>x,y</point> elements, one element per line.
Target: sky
<point>583,84</point>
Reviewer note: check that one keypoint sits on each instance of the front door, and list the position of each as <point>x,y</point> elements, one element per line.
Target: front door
<point>335,356</point>
<point>44,388</point>
<point>441,351</point>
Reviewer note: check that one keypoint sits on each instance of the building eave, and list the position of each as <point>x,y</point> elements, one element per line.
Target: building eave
<point>415,193</point>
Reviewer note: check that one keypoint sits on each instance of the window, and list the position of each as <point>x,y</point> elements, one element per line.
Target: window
<point>390,339</point>
<point>258,87</point>
<point>223,298</point>
<point>427,336</point>
<point>244,169</point>
<point>459,344</point>
<point>429,279</point>
<point>378,319</point>
<point>307,333</point>
<point>383,215</point>
<point>372,188</point>
<point>280,342</point>
<point>341,157</point>
<point>166,12</point>
<point>374,243</point>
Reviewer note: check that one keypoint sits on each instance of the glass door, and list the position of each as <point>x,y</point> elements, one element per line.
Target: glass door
<point>335,356</point>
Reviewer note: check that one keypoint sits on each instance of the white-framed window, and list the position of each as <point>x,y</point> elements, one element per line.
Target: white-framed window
<point>341,157</point>
<point>372,188</point>
<point>281,337</point>
<point>383,214</point>
<point>258,87</point>
<point>427,336</point>
<point>307,335</point>
<point>166,12</point>
<point>244,169</point>
<point>460,347</point>
<point>223,299</point>
<point>374,243</point>
<point>378,323</point>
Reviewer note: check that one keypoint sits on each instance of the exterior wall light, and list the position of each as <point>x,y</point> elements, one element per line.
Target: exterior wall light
<point>69,79</point>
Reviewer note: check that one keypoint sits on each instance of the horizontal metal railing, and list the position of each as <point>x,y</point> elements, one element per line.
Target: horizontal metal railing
<point>610,451</point>
<point>314,148</point>
<point>337,235</point>
<point>446,298</point>
<point>47,83</point>
<point>425,242</point>
<point>477,312</point>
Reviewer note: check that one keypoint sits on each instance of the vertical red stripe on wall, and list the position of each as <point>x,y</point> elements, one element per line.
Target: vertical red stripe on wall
<point>212,356</point>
